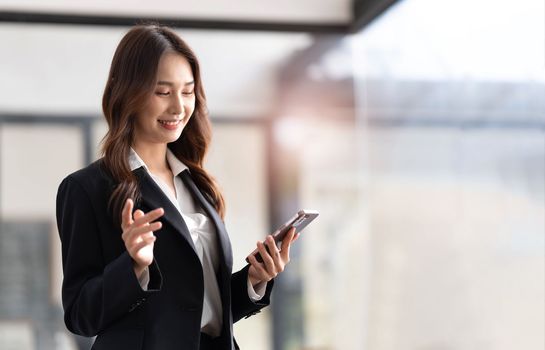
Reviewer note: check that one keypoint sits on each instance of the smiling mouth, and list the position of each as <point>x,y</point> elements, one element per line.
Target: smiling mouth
<point>170,122</point>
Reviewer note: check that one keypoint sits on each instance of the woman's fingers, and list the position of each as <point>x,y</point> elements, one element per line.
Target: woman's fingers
<point>141,220</point>
<point>138,231</point>
<point>126,214</point>
<point>286,243</point>
<point>274,260</point>
<point>275,254</point>
<point>146,228</point>
<point>259,272</point>
<point>144,242</point>
<point>137,234</point>
<point>267,258</point>
<point>148,217</point>
<point>138,214</point>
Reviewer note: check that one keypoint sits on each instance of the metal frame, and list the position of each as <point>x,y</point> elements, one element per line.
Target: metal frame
<point>84,122</point>
<point>176,22</point>
<point>365,11</point>
<point>394,122</point>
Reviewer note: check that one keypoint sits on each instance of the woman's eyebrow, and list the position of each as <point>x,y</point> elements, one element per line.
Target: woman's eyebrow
<point>168,83</point>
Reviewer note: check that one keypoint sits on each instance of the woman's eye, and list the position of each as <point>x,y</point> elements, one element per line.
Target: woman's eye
<point>188,93</point>
<point>161,93</point>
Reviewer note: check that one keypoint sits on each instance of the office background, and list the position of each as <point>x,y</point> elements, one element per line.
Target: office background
<point>415,127</point>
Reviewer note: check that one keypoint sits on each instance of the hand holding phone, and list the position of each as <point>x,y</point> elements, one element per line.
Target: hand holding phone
<point>299,221</point>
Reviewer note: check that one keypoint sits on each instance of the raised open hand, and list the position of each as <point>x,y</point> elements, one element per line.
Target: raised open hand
<point>138,234</point>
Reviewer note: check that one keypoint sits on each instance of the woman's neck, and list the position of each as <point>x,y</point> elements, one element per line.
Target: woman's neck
<point>154,155</point>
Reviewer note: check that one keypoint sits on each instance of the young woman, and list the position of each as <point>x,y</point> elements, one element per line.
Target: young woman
<point>146,257</point>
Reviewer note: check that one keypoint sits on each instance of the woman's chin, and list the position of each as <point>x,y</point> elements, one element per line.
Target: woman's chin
<point>171,136</point>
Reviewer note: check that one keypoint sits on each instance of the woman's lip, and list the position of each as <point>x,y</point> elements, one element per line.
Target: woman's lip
<point>170,124</point>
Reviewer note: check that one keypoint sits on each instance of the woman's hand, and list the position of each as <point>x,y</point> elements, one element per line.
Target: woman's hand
<point>138,234</point>
<point>274,260</point>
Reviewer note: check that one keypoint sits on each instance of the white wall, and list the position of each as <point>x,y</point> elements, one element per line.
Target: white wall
<point>63,69</point>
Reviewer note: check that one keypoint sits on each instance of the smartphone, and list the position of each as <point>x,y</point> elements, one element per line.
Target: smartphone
<point>299,221</point>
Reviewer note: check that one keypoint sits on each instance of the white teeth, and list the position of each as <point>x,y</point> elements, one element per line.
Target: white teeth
<point>170,122</point>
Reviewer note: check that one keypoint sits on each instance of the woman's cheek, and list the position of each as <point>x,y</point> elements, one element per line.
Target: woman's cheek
<point>190,109</point>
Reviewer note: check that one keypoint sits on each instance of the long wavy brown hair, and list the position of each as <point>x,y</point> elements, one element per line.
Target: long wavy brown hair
<point>131,81</point>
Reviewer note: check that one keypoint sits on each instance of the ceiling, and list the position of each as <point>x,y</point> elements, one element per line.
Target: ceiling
<point>321,11</point>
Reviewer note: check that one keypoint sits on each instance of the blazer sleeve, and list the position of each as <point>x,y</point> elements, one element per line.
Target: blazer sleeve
<point>242,305</point>
<point>95,293</point>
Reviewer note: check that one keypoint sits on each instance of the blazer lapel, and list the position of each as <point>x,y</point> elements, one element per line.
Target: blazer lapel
<point>212,214</point>
<point>226,268</point>
<point>154,198</point>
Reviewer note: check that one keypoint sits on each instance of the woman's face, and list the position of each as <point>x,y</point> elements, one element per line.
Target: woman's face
<point>171,104</point>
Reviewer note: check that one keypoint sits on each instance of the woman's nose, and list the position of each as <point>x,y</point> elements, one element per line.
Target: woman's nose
<point>176,106</point>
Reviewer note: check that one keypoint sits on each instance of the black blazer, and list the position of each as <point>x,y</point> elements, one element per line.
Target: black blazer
<point>100,292</point>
